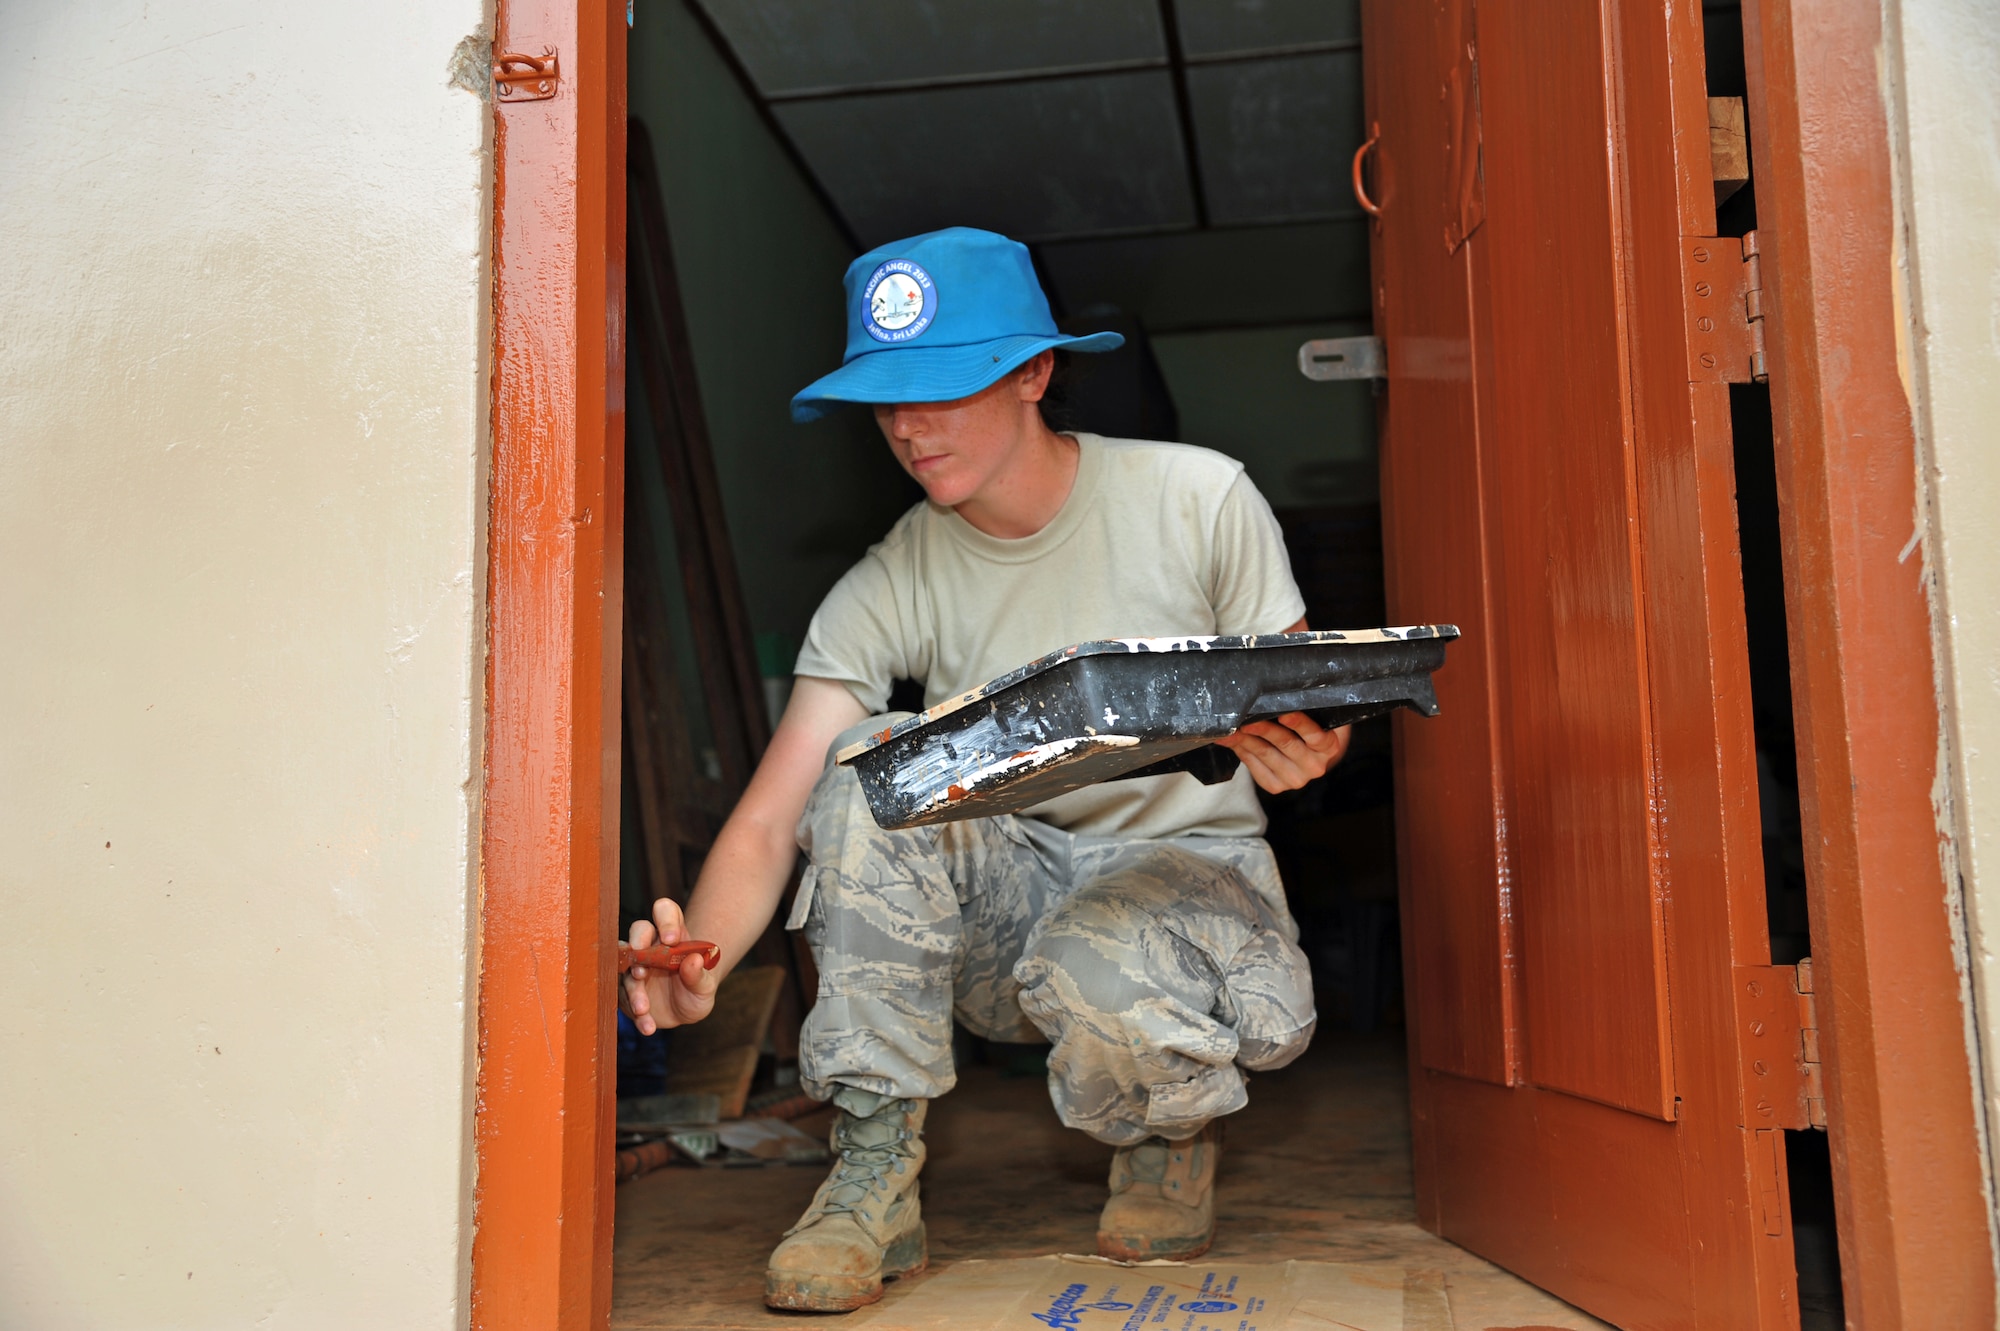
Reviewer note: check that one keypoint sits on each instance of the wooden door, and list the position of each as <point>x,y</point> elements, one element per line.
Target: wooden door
<point>1578,830</point>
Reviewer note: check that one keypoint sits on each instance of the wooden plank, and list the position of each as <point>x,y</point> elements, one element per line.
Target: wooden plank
<point>1710,868</point>
<point>1573,665</point>
<point>663,876</point>
<point>709,520</point>
<point>680,804</point>
<point>723,1073</point>
<point>731,689</point>
<point>718,1055</point>
<point>541,1231</point>
<point>728,720</point>
<point>1449,819</point>
<point>1583,1199</point>
<point>1901,1104</point>
<point>1728,146</point>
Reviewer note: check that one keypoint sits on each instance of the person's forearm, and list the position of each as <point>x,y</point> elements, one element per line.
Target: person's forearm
<point>745,875</point>
<point>741,884</point>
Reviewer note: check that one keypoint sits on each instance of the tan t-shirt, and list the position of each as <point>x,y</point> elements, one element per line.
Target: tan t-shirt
<point>1155,540</point>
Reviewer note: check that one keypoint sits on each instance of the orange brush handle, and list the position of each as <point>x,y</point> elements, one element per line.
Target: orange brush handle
<point>668,958</point>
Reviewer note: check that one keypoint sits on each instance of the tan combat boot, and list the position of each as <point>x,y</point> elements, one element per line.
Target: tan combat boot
<point>1162,1199</point>
<point>864,1225</point>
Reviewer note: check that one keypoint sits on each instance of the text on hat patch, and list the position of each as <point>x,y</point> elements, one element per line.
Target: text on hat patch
<point>901,301</point>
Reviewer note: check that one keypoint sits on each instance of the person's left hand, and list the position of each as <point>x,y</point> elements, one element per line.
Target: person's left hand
<point>1289,752</point>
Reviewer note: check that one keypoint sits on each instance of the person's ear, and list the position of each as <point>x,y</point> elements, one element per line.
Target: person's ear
<point>1031,381</point>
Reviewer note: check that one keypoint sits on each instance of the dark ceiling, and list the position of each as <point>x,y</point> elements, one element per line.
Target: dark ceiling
<point>1114,135</point>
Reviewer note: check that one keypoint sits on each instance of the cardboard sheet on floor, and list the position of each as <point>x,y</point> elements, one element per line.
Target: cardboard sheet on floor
<point>1090,1294</point>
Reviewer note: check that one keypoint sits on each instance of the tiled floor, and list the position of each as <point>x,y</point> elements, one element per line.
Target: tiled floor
<point>1316,1169</point>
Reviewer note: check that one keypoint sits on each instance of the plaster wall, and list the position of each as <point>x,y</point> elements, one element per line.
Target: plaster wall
<point>1942,72</point>
<point>243,386</point>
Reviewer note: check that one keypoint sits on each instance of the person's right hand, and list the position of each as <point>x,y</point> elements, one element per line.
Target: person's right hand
<point>656,999</point>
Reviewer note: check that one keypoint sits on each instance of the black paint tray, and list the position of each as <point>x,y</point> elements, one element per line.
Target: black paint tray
<point>1103,711</point>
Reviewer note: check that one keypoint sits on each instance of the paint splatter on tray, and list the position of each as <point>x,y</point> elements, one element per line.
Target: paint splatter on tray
<point>1128,707</point>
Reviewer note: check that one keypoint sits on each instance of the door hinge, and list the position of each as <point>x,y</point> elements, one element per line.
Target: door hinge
<point>526,78</point>
<point>1778,1036</point>
<point>1343,358</point>
<point>1809,1040</point>
<point>1724,289</point>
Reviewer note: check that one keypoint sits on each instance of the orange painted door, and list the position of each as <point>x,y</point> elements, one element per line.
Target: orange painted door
<point>1581,870</point>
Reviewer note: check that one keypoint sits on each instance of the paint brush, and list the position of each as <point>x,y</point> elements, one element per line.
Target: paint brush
<point>667,958</point>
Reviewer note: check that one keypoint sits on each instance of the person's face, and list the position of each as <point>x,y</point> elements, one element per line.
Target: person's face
<point>956,449</point>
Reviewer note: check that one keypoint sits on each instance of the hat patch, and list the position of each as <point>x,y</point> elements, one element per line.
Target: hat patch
<point>901,301</point>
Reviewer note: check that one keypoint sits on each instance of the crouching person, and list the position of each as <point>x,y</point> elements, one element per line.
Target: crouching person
<point>1138,927</point>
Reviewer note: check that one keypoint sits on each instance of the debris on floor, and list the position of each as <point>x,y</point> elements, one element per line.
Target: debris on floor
<point>743,1141</point>
<point>641,1158</point>
<point>697,1144</point>
<point>652,1128</point>
<point>1092,1294</point>
<point>648,1124</point>
<point>771,1139</point>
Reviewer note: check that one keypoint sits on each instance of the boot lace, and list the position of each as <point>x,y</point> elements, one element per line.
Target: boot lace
<point>870,1150</point>
<point>1146,1162</point>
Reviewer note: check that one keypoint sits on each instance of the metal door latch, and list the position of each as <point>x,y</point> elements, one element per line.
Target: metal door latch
<point>1725,309</point>
<point>1779,1038</point>
<point>1344,358</point>
<point>526,78</point>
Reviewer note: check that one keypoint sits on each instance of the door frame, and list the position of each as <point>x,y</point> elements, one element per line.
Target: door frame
<point>543,1118</point>
<point>1909,1168</point>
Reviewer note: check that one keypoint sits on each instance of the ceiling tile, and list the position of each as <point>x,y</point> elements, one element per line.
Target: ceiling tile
<point>794,46</point>
<point>1275,136</point>
<point>1033,160</point>
<point>1234,27</point>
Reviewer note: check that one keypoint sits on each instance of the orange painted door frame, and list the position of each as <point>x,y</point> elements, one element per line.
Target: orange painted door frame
<point>1914,1234</point>
<point>541,1253</point>
<point>1901,1105</point>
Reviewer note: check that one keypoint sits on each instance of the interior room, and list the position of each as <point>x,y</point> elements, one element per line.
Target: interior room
<point>1180,172</point>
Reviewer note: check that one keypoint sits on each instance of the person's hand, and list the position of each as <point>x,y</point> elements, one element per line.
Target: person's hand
<point>656,999</point>
<point>1289,752</point>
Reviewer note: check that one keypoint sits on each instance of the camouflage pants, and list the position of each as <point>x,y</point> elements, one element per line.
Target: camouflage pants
<point>1156,969</point>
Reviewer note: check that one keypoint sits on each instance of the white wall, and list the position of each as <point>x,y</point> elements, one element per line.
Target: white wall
<point>1942,72</point>
<point>242,438</point>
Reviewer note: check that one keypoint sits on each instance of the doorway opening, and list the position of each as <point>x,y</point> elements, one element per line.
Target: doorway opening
<point>1178,170</point>
<point>1174,191</point>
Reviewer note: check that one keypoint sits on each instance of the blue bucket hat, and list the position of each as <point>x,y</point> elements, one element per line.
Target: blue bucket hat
<point>938,317</point>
